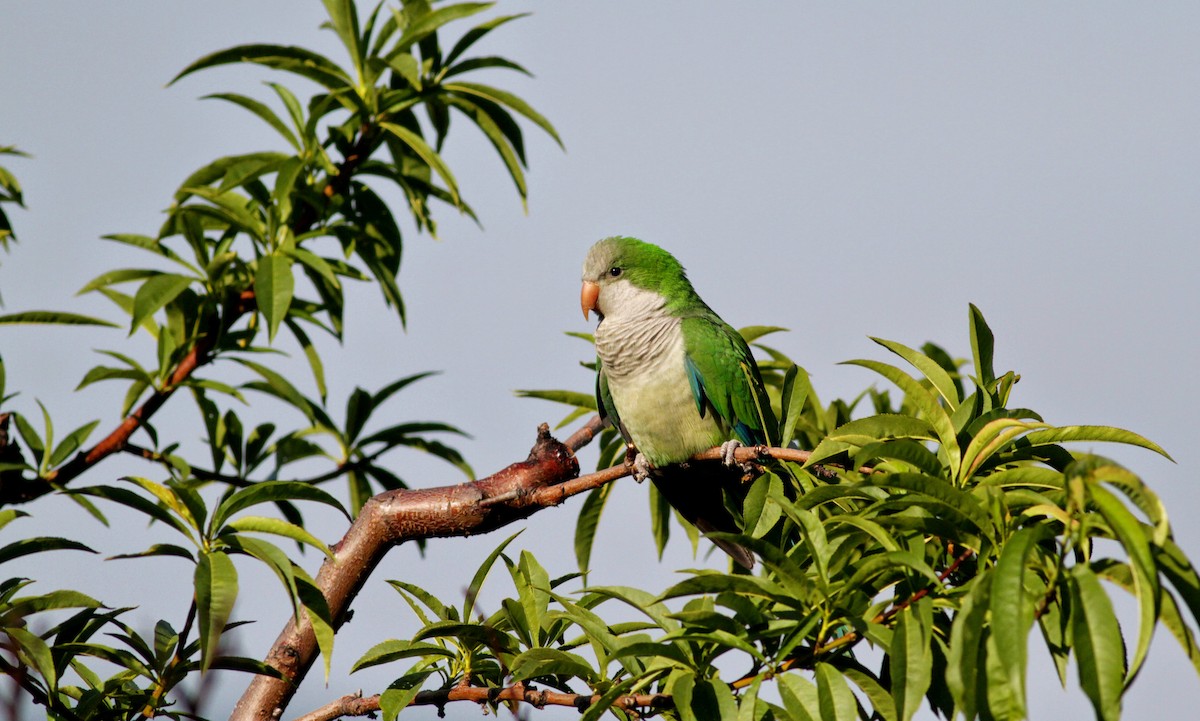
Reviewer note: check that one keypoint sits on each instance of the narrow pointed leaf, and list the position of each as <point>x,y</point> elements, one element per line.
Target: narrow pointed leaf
<point>1099,651</point>
<point>1012,608</point>
<point>426,154</point>
<point>293,59</point>
<point>507,99</point>
<point>154,294</point>
<point>587,523</point>
<point>911,658</point>
<point>51,317</point>
<point>216,586</point>
<point>279,527</point>
<point>930,368</point>
<point>273,288</point>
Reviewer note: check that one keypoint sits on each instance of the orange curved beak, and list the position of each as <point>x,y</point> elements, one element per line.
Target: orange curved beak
<point>588,297</point>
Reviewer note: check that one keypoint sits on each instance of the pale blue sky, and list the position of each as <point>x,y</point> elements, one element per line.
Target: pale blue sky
<point>843,170</point>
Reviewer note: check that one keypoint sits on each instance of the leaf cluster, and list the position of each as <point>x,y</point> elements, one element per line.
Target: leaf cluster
<point>256,252</point>
<point>940,528</point>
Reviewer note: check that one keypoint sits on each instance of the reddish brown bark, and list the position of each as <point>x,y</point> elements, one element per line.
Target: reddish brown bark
<point>405,515</point>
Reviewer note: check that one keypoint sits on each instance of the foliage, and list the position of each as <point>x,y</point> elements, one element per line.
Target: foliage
<point>936,523</point>
<point>10,192</point>
<point>256,250</point>
<point>939,530</point>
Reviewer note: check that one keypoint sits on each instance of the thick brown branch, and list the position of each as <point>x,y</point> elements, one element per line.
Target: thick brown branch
<point>393,517</point>
<point>547,478</point>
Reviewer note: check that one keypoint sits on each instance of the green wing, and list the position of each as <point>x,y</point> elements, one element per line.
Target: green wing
<point>604,401</point>
<point>725,379</point>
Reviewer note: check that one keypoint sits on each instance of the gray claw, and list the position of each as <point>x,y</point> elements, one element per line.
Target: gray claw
<point>641,468</point>
<point>728,448</point>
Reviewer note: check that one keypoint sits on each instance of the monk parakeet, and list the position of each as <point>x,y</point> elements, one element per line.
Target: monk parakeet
<point>674,379</point>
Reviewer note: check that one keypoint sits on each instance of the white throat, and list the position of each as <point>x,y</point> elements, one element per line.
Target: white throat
<point>637,334</point>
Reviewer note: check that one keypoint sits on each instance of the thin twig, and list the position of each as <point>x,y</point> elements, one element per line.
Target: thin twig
<point>358,705</point>
<point>204,474</point>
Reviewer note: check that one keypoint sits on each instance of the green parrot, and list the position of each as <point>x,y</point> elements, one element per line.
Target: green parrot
<point>674,379</point>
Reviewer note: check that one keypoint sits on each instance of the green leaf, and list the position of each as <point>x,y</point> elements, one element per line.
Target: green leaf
<point>51,317</point>
<point>38,654</point>
<point>171,497</point>
<point>279,527</point>
<point>494,132</point>
<point>263,112</point>
<point>660,519</point>
<point>1012,609</point>
<point>796,386</point>
<point>1107,434</point>
<point>1099,651</point>
<point>394,650</point>
<point>911,658</point>
<point>837,702</point>
<point>8,515</point>
<point>273,288</point>
<point>965,660</point>
<point>279,387</point>
<point>570,398</point>
<point>216,586</point>
<point>34,441</point>
<point>982,348</point>
<point>426,154</point>
<point>927,404</point>
<point>275,559</point>
<point>37,544</point>
<point>400,693</point>
<point>587,523</point>
<point>429,22</point>
<point>930,368</point>
<point>481,574</point>
<point>154,294</point>
<point>881,700</point>
<point>601,706</point>
<point>319,617</point>
<point>157,549</point>
<point>139,503</point>
<point>311,354</point>
<point>271,492</point>
<point>551,662</point>
<point>292,59</point>
<point>343,18</point>
<point>507,99</point>
<point>73,442</point>
<point>116,276</point>
<point>55,600</point>
<point>800,697</point>
<point>1128,531</point>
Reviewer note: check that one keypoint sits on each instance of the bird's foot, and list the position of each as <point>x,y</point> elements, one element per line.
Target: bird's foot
<point>728,449</point>
<point>641,468</point>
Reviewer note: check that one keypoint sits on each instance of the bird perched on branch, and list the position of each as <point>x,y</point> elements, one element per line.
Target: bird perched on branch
<point>674,379</point>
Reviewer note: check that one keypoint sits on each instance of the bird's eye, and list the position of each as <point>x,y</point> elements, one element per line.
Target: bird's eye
<point>614,271</point>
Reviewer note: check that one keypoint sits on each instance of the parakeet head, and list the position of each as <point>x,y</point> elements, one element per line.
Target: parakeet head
<point>623,273</point>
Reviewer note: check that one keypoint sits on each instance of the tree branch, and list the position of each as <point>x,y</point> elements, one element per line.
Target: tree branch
<point>358,705</point>
<point>205,474</point>
<point>547,478</point>
<point>394,517</point>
